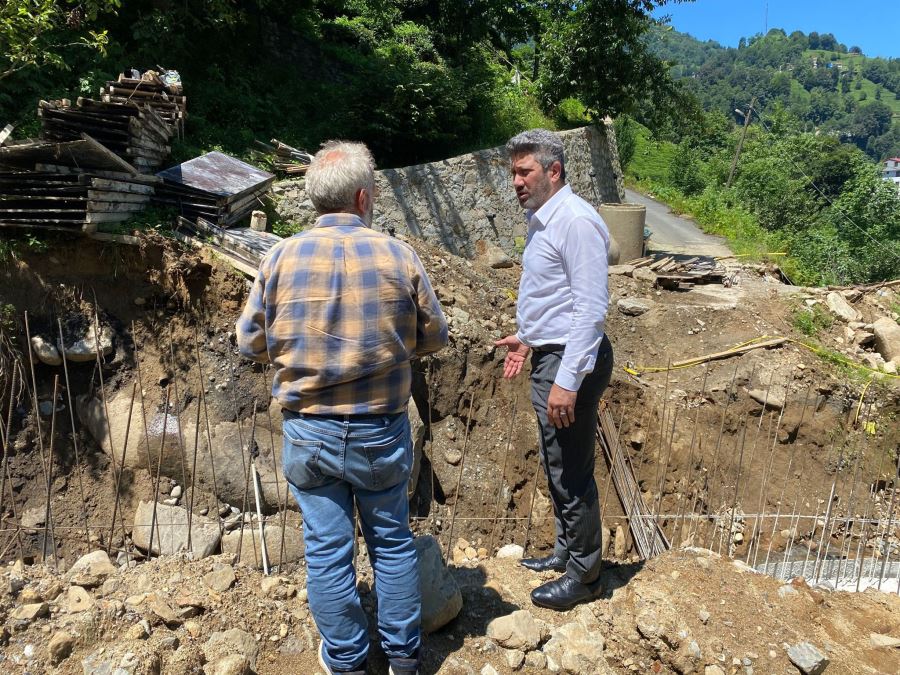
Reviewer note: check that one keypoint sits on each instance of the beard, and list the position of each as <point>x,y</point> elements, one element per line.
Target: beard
<point>538,195</point>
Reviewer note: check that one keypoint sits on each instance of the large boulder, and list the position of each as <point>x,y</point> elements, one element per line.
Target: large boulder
<point>234,641</point>
<point>171,532</point>
<point>841,308</point>
<point>86,347</point>
<point>92,569</point>
<point>45,351</point>
<point>518,630</point>
<point>251,551</point>
<point>441,597</point>
<point>887,339</point>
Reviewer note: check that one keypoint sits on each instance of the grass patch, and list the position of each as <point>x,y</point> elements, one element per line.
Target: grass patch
<point>652,158</point>
<point>811,320</point>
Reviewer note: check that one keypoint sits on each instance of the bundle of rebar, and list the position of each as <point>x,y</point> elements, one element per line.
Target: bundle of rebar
<point>649,539</point>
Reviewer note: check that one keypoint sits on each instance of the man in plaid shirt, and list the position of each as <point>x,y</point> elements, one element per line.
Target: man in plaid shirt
<point>340,310</point>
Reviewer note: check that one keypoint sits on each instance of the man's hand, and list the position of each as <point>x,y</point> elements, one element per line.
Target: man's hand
<point>515,357</point>
<point>561,406</point>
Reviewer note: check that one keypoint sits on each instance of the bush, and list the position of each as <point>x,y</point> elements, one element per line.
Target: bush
<point>685,172</point>
<point>571,113</point>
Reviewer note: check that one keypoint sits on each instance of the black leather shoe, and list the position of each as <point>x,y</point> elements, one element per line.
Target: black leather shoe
<point>564,593</point>
<point>550,563</point>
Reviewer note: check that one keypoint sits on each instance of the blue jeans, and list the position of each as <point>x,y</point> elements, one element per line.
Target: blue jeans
<point>328,461</point>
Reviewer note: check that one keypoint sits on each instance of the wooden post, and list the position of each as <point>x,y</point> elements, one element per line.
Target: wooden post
<point>740,146</point>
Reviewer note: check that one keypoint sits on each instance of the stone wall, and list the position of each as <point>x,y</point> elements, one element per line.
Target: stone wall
<point>459,201</point>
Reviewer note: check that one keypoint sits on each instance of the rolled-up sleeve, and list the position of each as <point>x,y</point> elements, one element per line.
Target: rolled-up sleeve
<point>431,325</point>
<point>583,253</point>
<point>251,325</point>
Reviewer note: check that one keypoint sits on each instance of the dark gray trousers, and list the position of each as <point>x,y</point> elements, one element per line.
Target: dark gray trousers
<point>567,455</point>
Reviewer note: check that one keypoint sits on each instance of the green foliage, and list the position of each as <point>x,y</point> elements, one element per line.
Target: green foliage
<point>626,139</point>
<point>811,320</point>
<point>684,172</point>
<point>571,113</point>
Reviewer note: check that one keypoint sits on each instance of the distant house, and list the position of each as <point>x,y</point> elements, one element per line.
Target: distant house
<point>891,171</point>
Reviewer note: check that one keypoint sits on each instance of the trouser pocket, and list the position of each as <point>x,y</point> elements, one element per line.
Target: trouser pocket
<point>390,460</point>
<point>300,462</point>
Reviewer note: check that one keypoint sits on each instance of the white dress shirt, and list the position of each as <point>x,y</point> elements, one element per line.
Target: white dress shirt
<point>563,293</point>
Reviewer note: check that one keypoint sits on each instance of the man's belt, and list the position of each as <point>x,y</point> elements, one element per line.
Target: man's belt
<point>548,348</point>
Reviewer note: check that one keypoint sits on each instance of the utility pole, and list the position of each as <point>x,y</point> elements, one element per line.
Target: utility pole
<point>737,153</point>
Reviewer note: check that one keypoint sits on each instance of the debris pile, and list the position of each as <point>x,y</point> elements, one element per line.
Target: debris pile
<point>674,274</point>
<point>151,91</point>
<point>134,132</point>
<point>284,158</point>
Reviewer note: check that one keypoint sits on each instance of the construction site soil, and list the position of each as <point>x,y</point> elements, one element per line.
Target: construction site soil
<point>782,432</point>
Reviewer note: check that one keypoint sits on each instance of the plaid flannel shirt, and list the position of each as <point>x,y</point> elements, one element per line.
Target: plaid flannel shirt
<point>340,310</point>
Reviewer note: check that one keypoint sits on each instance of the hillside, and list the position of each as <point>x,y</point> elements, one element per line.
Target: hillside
<point>829,89</point>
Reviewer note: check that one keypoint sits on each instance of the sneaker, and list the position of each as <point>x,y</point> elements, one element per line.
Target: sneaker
<point>327,669</point>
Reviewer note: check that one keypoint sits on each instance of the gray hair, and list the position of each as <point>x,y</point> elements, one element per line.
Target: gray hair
<point>543,144</point>
<point>336,173</point>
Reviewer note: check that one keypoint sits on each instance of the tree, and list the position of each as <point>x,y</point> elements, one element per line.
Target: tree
<point>36,33</point>
<point>855,50</point>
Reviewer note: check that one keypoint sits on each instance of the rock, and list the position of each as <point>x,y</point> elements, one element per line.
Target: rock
<point>171,533</point>
<point>492,254</point>
<point>577,650</point>
<point>518,630</point>
<point>452,456</point>
<point>251,553</point>
<point>418,432</point>
<point>605,540</point>
<point>28,613</point>
<point>122,659</point>
<point>86,348</point>
<point>33,517</point>
<point>704,616</point>
<point>887,339</point>
<point>808,659</point>
<point>488,669</point>
<point>515,658</point>
<point>92,569</point>
<point>60,646</point>
<point>277,588</point>
<point>841,308</point>
<point>634,306</point>
<point>233,664</point>
<point>644,274</point>
<point>879,640</point>
<point>626,270</point>
<point>176,492</point>
<point>514,551</point>
<point>45,351</point>
<point>234,641</point>
<point>139,631</point>
<point>78,600</point>
<point>619,547</point>
<point>158,610</point>
<point>773,400</point>
<point>441,597</point>
<point>713,670</point>
<point>220,579</point>
<point>536,661</point>
<point>786,591</point>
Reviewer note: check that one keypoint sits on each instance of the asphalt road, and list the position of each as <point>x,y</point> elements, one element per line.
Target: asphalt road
<point>674,234</point>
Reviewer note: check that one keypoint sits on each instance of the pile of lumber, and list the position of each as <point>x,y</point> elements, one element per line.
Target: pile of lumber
<point>70,201</point>
<point>133,132</point>
<point>285,158</point>
<point>150,91</point>
<point>215,187</point>
<point>242,247</point>
<point>682,275</point>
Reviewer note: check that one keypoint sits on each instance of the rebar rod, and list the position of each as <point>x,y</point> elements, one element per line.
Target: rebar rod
<point>4,471</point>
<point>889,522</point>
<point>78,467</point>
<point>34,398</point>
<point>209,446</point>
<point>248,468</point>
<point>500,487</point>
<point>118,470</point>
<point>690,465</point>
<point>162,446</point>
<point>764,487</point>
<point>267,390</point>
<point>462,465</point>
<point>48,513</point>
<point>709,478</point>
<point>180,437</point>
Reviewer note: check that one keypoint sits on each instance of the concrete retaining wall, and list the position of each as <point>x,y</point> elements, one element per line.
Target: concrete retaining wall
<point>459,201</point>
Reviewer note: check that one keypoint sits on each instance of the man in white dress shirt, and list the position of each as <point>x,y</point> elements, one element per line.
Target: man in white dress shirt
<point>561,311</point>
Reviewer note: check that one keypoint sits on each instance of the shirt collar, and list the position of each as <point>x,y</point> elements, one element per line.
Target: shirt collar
<point>337,219</point>
<point>545,213</point>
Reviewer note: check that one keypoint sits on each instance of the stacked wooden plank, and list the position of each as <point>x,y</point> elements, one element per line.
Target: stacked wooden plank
<point>73,186</point>
<point>285,158</point>
<point>242,247</point>
<point>74,202</point>
<point>682,274</point>
<point>216,187</point>
<point>167,102</point>
<point>133,132</point>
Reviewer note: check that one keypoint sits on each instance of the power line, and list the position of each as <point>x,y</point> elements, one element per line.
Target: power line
<point>865,233</point>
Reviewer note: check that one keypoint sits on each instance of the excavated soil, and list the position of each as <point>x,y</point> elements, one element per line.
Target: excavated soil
<point>698,442</point>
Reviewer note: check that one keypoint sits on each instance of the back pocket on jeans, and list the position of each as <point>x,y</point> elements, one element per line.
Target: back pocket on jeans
<point>300,462</point>
<point>390,462</point>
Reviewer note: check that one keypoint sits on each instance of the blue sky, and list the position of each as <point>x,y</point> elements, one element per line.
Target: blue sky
<point>871,24</point>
